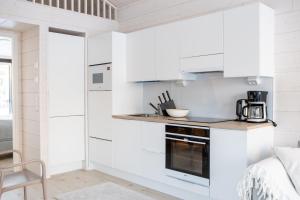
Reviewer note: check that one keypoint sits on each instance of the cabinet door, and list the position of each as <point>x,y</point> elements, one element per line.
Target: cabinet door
<point>100,151</point>
<point>126,146</point>
<point>100,114</point>
<point>248,41</point>
<point>65,74</point>
<point>66,140</point>
<point>241,41</point>
<point>153,150</point>
<point>202,35</point>
<point>167,52</point>
<point>228,162</point>
<point>141,55</point>
<point>152,137</point>
<point>100,49</point>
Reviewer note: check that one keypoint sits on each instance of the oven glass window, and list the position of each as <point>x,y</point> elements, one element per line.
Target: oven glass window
<point>97,78</point>
<point>186,157</point>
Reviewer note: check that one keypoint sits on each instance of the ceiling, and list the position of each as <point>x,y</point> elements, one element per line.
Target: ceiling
<point>121,3</point>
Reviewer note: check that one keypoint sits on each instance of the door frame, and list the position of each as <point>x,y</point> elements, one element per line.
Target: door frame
<point>16,90</point>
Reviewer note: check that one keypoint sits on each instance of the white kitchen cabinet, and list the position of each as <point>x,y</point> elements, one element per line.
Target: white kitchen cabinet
<point>201,44</point>
<point>100,114</point>
<point>127,146</point>
<point>141,56</point>
<point>100,151</point>
<point>153,150</point>
<point>167,52</point>
<point>231,152</point>
<point>153,55</point>
<point>66,141</point>
<point>152,137</point>
<point>248,41</point>
<point>202,35</point>
<point>65,74</point>
<point>100,49</point>
<point>66,124</point>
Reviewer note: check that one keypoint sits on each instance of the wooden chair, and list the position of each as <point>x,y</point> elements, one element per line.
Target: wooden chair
<point>21,178</point>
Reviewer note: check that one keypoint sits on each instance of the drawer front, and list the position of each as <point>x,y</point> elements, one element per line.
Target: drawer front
<point>100,151</point>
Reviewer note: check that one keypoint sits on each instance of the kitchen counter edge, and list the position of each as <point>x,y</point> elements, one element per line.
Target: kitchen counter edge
<point>231,125</point>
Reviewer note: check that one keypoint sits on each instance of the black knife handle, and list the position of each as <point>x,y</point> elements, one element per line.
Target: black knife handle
<point>168,94</point>
<point>153,106</point>
<point>160,99</point>
<point>164,96</point>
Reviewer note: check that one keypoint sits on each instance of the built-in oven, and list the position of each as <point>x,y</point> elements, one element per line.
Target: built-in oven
<point>187,153</point>
<point>100,77</point>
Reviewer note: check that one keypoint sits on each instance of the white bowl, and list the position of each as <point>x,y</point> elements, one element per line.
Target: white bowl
<point>178,112</point>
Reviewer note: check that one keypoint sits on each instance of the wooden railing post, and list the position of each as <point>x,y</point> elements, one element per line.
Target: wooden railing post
<point>99,8</point>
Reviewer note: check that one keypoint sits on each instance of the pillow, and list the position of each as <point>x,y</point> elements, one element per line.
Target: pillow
<point>290,158</point>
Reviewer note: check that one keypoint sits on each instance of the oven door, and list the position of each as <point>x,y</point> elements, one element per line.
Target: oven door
<point>187,158</point>
<point>99,77</point>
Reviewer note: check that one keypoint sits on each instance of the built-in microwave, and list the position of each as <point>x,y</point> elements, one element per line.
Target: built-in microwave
<point>100,77</point>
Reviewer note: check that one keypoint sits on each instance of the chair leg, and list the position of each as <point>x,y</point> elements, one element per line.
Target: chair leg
<point>44,189</point>
<point>25,193</point>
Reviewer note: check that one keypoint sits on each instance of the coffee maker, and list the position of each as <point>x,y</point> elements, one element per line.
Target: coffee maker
<point>253,109</point>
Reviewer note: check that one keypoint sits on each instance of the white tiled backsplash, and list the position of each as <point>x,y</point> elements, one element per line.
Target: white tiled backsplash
<point>209,96</point>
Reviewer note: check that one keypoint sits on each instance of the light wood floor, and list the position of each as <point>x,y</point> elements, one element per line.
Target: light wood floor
<point>77,180</point>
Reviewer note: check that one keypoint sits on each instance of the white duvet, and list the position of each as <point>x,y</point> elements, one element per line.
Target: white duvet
<point>269,180</point>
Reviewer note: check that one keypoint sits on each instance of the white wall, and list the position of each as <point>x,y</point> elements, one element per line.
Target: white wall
<point>209,96</point>
<point>145,13</point>
<point>30,95</point>
<point>287,81</point>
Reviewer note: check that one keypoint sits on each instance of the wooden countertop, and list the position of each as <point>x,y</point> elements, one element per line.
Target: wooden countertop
<point>232,125</point>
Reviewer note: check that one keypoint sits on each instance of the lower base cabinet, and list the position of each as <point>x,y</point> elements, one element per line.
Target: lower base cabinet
<point>138,148</point>
<point>231,152</point>
<point>126,146</point>
<point>100,151</point>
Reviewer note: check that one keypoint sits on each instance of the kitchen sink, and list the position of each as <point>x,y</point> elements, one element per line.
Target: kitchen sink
<point>144,115</point>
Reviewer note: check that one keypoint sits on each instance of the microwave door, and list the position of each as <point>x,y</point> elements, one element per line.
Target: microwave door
<point>99,78</point>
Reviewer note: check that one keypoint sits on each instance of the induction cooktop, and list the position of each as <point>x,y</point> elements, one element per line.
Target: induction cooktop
<point>202,119</point>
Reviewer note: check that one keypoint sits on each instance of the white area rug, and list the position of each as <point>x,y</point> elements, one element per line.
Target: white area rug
<point>105,191</point>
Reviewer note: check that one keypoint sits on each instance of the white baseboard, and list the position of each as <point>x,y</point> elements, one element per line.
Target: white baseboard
<point>59,169</point>
<point>155,185</point>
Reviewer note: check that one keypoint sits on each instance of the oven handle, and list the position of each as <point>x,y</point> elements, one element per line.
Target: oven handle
<point>186,140</point>
<point>191,136</point>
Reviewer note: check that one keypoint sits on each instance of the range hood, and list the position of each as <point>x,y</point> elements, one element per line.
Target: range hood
<point>203,63</point>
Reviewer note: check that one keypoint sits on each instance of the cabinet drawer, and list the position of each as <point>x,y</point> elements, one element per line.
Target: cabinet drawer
<point>210,63</point>
<point>100,151</point>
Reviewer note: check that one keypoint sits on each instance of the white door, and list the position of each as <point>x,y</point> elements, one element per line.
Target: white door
<point>141,55</point>
<point>66,140</point>
<point>202,35</point>
<point>167,52</point>
<point>65,74</point>
<point>100,114</point>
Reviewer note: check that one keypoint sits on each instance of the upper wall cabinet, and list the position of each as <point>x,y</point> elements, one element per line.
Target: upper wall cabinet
<point>153,54</point>
<point>248,41</point>
<point>201,36</point>
<point>99,49</point>
<point>141,56</point>
<point>201,43</point>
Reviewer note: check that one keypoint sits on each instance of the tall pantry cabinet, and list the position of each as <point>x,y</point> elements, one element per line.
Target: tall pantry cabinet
<point>66,129</point>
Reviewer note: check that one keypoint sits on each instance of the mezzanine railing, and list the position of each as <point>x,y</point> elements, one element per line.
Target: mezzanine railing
<point>99,8</point>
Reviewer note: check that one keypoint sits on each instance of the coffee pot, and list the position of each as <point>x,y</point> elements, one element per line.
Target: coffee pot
<point>253,109</point>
